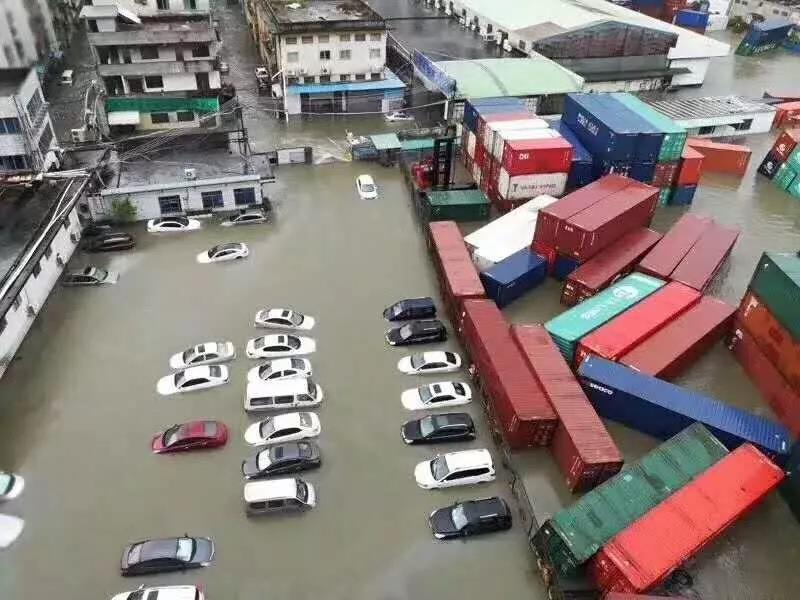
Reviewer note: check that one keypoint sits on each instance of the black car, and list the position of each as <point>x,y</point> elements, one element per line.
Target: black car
<point>410,308</point>
<point>447,427</point>
<point>472,517</point>
<point>280,459</point>
<point>417,332</point>
<point>167,554</point>
<point>94,230</point>
<point>108,242</point>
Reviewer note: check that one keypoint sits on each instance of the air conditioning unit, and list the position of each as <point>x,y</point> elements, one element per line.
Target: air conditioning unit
<point>324,70</point>
<point>74,237</point>
<point>78,135</point>
<point>488,37</point>
<point>32,310</point>
<point>190,173</point>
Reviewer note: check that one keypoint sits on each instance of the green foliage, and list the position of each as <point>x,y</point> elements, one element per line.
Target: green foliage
<point>123,211</point>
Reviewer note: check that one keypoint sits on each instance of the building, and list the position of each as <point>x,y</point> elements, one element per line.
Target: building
<point>718,116</point>
<point>330,55</point>
<point>158,62</point>
<point>27,142</point>
<point>788,9</point>
<point>27,35</point>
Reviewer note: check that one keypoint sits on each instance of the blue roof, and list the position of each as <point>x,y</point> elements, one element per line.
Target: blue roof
<point>390,82</point>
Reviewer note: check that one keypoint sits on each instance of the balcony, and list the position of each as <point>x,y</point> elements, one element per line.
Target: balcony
<point>156,68</point>
<point>151,35</point>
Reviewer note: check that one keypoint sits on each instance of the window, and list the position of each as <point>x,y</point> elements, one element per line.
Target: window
<point>212,199</point>
<point>135,85</point>
<point>162,4</point>
<point>324,78</point>
<point>169,204</point>
<point>344,54</point>
<point>185,115</point>
<point>706,130</point>
<point>325,55</point>
<point>9,125</point>
<point>148,52</point>
<point>244,196</point>
<point>521,44</point>
<point>45,139</point>
<point>157,118</point>
<point>189,4</point>
<point>307,39</point>
<point>375,76</point>
<point>775,11</point>
<point>375,37</point>
<point>92,29</point>
<point>360,37</point>
<point>323,39</point>
<point>374,52</point>
<point>154,81</point>
<point>35,104</point>
<point>201,51</point>
<point>344,37</point>
<point>292,57</point>
<point>14,163</point>
<point>345,77</point>
<point>48,252</point>
<point>291,81</point>
<point>290,40</point>
<point>744,125</point>
<point>17,302</point>
<point>360,76</point>
<point>37,269</point>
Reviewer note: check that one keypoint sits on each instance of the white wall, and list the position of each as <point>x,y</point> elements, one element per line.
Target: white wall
<point>762,123</point>
<point>14,144</point>
<point>308,55</point>
<point>625,85</point>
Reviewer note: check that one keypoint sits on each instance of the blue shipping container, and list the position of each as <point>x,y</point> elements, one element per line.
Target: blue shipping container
<point>768,31</point>
<point>692,18</point>
<point>683,195</point>
<point>589,120</point>
<point>473,108</point>
<point>580,171</point>
<point>661,409</point>
<point>639,171</point>
<point>512,277</point>
<point>649,139</point>
<point>580,174</point>
<point>563,266</point>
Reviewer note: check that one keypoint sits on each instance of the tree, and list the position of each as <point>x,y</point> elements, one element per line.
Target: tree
<point>123,211</point>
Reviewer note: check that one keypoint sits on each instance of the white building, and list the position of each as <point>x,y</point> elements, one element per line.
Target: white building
<point>26,33</point>
<point>27,142</point>
<point>158,62</point>
<point>787,9</point>
<point>718,116</point>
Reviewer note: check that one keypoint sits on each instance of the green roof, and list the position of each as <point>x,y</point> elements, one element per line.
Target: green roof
<point>385,141</point>
<point>149,105</point>
<point>492,77</point>
<point>417,144</point>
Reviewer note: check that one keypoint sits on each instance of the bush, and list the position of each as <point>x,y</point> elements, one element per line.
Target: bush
<point>123,211</point>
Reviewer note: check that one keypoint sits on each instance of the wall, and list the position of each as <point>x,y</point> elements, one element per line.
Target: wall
<point>308,53</point>
<point>26,32</point>
<point>146,122</point>
<point>762,123</point>
<point>765,8</point>
<point>625,85</point>
<point>698,68</point>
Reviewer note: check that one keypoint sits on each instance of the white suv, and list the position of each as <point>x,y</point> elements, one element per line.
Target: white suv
<point>455,468</point>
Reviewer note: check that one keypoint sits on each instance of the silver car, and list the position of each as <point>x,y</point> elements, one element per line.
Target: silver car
<point>90,276</point>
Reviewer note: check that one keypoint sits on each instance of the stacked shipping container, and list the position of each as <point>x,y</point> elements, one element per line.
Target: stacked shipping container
<point>782,162</point>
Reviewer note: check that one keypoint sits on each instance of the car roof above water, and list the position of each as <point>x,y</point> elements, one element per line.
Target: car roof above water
<point>466,459</point>
<point>258,491</point>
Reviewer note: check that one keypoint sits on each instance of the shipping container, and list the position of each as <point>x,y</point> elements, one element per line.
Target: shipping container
<point>704,260</point>
<point>588,232</point>
<point>524,187</point>
<point>784,177</point>
<point>662,260</point>
<point>691,18</point>
<point>543,135</point>
<point>642,556</point>
<point>614,262</point>
<point>479,160</point>
<point>786,143</point>
<point>515,400</point>
<point>794,159</point>
<point>531,155</point>
<point>580,170</point>
<point>649,137</point>
<point>691,167</point>
<point>730,159</point>
<point>790,490</point>
<point>582,446</point>
<point>683,195</point>
<point>623,596</point>
<point>568,328</point>
<point>665,174</point>
<point>625,332</point>
<point>512,277</point>
<point>564,266</point>
<point>456,205</point>
<point>640,171</point>
<point>674,135</point>
<point>787,114</point>
<point>661,409</point>
<point>475,107</point>
<point>668,352</point>
<point>770,165</point>
<point>601,131</point>
<point>491,122</point>
<point>497,130</point>
<point>517,224</point>
<point>471,144</point>
<point>574,534</point>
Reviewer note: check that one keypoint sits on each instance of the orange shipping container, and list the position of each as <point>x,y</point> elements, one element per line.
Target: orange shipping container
<point>691,167</point>
<point>787,114</point>
<point>730,159</point>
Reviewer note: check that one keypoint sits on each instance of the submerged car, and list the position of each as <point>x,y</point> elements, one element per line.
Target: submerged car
<point>365,186</point>
<point>11,486</point>
<point>162,592</point>
<point>10,529</point>
<point>207,353</point>
<point>288,427</point>
<point>90,276</point>
<point>410,308</point>
<point>446,427</point>
<point>224,253</point>
<point>455,468</point>
<point>172,224</point>
<point>193,435</point>
<point>166,554</point>
<point>278,495</point>
<point>472,517</point>
<point>278,346</point>
<point>435,395</point>
<point>429,362</point>
<point>246,217</point>
<point>280,459</point>
<point>280,368</point>
<point>397,116</point>
<point>417,332</point>
<point>283,318</point>
<point>193,378</point>
<point>111,241</point>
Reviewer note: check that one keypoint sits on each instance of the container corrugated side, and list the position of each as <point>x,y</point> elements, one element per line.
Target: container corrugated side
<point>585,115</point>
<point>582,446</point>
<point>575,533</point>
<point>685,523</point>
<point>729,159</point>
<point>521,217</point>
<point>776,282</point>
<point>674,134</point>
<point>457,205</point>
<point>513,277</point>
<point>649,138</point>
<point>661,409</point>
<point>705,258</point>
<point>790,490</point>
<point>673,247</point>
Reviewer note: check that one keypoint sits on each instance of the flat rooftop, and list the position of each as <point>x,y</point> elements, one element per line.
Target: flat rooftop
<point>11,80</point>
<point>709,106</point>
<point>314,11</point>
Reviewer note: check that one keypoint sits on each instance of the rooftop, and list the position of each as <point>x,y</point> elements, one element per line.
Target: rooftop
<point>389,82</point>
<point>11,80</point>
<point>709,106</point>
<point>306,11</point>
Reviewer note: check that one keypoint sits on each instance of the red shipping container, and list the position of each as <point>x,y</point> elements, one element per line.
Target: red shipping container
<point>730,159</point>
<point>582,446</point>
<point>782,398</point>
<point>484,120</point>
<point>691,167</point>
<point>644,554</point>
<point>552,217</point>
<point>786,143</point>
<point>457,274</point>
<point>468,164</point>
<point>680,343</point>
<point>620,596</point>
<point>787,113</point>
<point>702,263</point>
<point>626,331</point>
<point>604,269</point>
<point>673,247</point>
<point>600,225</point>
<point>665,173</point>
<point>529,157</point>
<point>480,156</point>
<point>515,398</point>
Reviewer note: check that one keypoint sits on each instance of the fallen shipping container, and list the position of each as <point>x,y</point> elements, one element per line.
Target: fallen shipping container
<point>786,143</point>
<point>512,277</point>
<point>786,113</point>
<point>508,225</point>
<point>604,269</point>
<point>730,159</point>
<point>623,333</point>
<point>704,260</point>
<point>790,490</point>
<point>673,247</point>
<point>680,343</point>
<point>515,400</point>
<point>691,167</point>
<point>641,557</point>
<point>564,266</point>
<point>582,446</point>
<point>776,282</point>
<point>580,171</point>
<point>661,409</point>
<point>568,328</point>
<point>574,534</point>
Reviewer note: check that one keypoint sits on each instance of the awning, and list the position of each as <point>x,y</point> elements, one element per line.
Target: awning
<point>385,141</point>
<point>124,117</point>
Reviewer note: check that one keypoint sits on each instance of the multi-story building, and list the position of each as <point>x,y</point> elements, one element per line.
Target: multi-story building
<point>158,62</point>
<point>788,9</point>
<point>27,35</point>
<point>330,55</point>
<point>27,143</point>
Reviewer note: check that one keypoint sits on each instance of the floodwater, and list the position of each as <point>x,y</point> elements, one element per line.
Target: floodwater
<point>79,405</point>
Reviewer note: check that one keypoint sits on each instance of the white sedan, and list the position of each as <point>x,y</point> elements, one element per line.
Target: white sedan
<point>455,468</point>
<point>398,115</point>
<point>193,378</point>
<point>207,353</point>
<point>172,224</point>
<point>288,427</point>
<point>280,345</point>
<point>283,318</point>
<point>162,592</point>
<point>10,528</point>
<point>365,186</point>
<point>224,253</point>
<point>11,486</point>
<point>280,368</point>
<point>429,362</point>
<point>434,395</point>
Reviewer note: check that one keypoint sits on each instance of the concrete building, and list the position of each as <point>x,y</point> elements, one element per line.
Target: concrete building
<point>718,116</point>
<point>788,9</point>
<point>27,141</point>
<point>158,62</point>
<point>27,34</point>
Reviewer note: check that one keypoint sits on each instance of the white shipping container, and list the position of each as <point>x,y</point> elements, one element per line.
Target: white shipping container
<point>519,222</point>
<point>529,186</point>
<point>493,128</point>
<point>471,144</point>
<point>520,134</point>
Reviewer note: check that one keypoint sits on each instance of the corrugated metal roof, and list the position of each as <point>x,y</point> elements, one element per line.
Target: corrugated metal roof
<point>709,106</point>
<point>418,144</point>
<point>385,141</point>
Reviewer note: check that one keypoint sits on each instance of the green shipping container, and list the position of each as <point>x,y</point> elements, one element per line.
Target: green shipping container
<point>569,327</point>
<point>790,489</point>
<point>777,283</point>
<point>664,196</point>
<point>456,205</point>
<point>794,188</point>
<point>674,134</point>
<point>794,160</point>
<point>574,534</point>
<point>784,176</point>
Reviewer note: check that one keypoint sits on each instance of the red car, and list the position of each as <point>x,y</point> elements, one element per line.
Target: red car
<point>190,436</point>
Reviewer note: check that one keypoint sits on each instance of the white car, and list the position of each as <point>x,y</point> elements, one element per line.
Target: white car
<point>11,486</point>
<point>283,318</point>
<point>162,592</point>
<point>288,427</point>
<point>455,468</point>
<point>246,217</point>
<point>207,353</point>
<point>224,253</point>
<point>434,395</point>
<point>365,187</point>
<point>429,362</point>
<point>279,345</point>
<point>193,378</point>
<point>90,276</point>
<point>398,115</point>
<point>172,224</point>
<point>10,528</point>
<point>280,368</point>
